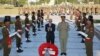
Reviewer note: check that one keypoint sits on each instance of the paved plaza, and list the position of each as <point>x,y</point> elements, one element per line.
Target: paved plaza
<point>74,45</point>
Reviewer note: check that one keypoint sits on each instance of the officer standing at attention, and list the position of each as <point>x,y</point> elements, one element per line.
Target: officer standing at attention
<point>42,18</point>
<point>39,20</point>
<point>34,23</point>
<point>90,33</point>
<point>63,28</point>
<point>6,38</point>
<point>83,25</point>
<point>18,26</point>
<point>27,28</point>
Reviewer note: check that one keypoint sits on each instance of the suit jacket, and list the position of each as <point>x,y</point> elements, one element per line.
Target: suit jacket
<point>50,33</point>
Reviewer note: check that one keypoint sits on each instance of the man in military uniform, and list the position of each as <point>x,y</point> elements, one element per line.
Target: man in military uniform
<point>63,28</point>
<point>83,24</point>
<point>33,23</point>
<point>6,38</point>
<point>39,20</point>
<point>42,18</point>
<point>27,27</point>
<point>18,26</point>
<point>90,33</point>
<point>78,19</point>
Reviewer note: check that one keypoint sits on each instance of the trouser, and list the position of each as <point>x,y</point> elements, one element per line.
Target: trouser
<point>50,39</point>
<point>89,48</point>
<point>78,27</point>
<point>18,42</point>
<point>34,27</point>
<point>6,51</point>
<point>63,43</point>
<point>27,34</point>
<point>38,23</point>
<point>82,28</point>
<point>42,22</point>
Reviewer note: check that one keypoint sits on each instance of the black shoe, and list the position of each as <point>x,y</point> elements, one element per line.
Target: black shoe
<point>34,34</point>
<point>79,34</point>
<point>19,50</point>
<point>62,54</point>
<point>82,41</point>
<point>39,30</point>
<point>65,54</point>
<point>28,40</point>
<point>42,26</point>
<point>21,43</point>
<point>77,30</point>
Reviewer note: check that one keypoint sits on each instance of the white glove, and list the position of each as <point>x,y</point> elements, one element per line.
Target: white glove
<point>12,34</point>
<point>18,35</point>
<point>26,29</point>
<point>84,34</point>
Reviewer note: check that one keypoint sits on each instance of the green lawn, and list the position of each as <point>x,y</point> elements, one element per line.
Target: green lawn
<point>60,1</point>
<point>96,21</point>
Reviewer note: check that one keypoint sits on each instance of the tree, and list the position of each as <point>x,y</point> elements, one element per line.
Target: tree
<point>17,3</point>
<point>5,1</point>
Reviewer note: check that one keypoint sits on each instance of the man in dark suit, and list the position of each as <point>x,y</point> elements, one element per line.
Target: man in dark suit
<point>50,29</point>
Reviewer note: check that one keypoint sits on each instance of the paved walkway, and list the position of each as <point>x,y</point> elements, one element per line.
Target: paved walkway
<point>74,45</point>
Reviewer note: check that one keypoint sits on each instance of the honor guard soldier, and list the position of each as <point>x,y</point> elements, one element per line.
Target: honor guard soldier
<point>39,19</point>
<point>42,18</point>
<point>33,23</point>
<point>50,29</point>
<point>78,19</point>
<point>6,38</point>
<point>83,22</point>
<point>18,26</point>
<point>83,25</point>
<point>90,33</point>
<point>7,42</point>
<point>27,27</point>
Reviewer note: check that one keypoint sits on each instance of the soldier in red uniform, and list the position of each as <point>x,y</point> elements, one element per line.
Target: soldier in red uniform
<point>6,38</point>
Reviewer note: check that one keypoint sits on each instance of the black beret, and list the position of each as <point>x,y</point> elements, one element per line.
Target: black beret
<point>7,19</point>
<point>33,12</point>
<point>62,16</point>
<point>84,13</point>
<point>17,17</point>
<point>90,17</point>
<point>26,14</point>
